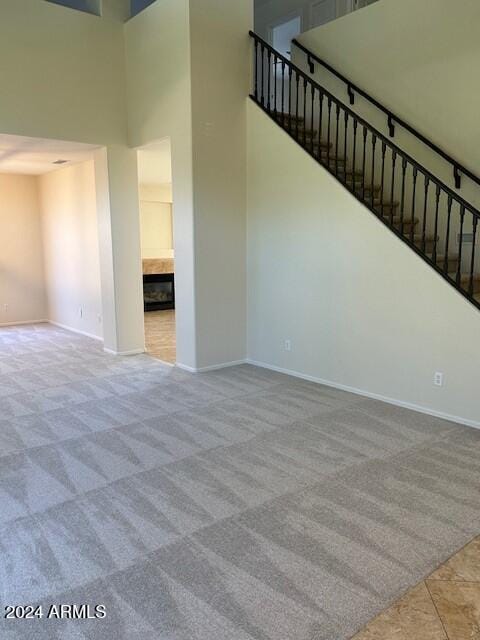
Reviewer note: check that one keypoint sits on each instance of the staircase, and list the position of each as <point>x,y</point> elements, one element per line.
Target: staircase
<point>437,223</point>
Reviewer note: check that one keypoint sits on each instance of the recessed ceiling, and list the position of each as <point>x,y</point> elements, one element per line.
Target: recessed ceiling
<point>36,156</point>
<point>155,163</point>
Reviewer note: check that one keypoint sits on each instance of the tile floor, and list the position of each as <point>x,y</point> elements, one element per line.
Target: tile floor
<point>160,338</point>
<point>445,606</point>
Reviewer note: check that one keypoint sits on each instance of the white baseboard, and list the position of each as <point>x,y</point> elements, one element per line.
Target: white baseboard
<point>133,352</point>
<point>22,322</point>
<point>213,367</point>
<point>367,394</point>
<point>82,333</point>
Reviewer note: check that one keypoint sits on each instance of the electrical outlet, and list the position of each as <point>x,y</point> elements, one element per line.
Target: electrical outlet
<point>438,379</point>
<point>99,318</point>
<point>5,307</point>
<point>288,345</point>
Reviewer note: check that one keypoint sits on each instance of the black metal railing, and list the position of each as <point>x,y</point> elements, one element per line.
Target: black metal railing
<point>392,118</point>
<point>438,224</point>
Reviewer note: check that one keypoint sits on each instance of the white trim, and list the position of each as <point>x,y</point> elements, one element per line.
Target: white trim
<point>82,333</point>
<point>213,367</point>
<point>133,352</point>
<point>22,322</point>
<point>367,394</point>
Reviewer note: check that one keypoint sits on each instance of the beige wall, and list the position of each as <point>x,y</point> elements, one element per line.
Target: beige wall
<point>200,104</point>
<point>63,77</point>
<point>160,106</point>
<point>63,73</point>
<point>220,86</point>
<point>70,241</point>
<point>360,308</point>
<point>156,221</point>
<point>22,290</point>
<point>417,58</point>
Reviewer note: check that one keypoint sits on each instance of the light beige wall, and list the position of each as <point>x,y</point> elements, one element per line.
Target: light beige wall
<point>156,220</point>
<point>220,86</point>
<point>22,290</point>
<point>417,58</point>
<point>63,73</point>
<point>63,77</point>
<point>160,106</point>
<point>360,308</point>
<point>71,249</point>
<point>116,181</point>
<point>199,102</point>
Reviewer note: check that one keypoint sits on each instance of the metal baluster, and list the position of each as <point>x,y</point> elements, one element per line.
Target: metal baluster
<point>472,263</point>
<point>262,51</point>
<point>320,117</point>
<point>269,62</point>
<point>256,70</point>
<point>402,199</point>
<point>336,138</point>
<point>460,246</point>
<point>345,149</point>
<point>283,92</point>
<point>312,138</point>
<point>329,123</point>
<point>355,127</point>
<point>275,84</point>
<point>447,239</point>
<point>425,211</point>
<point>364,160</point>
<point>374,144</point>
<point>304,112</point>
<point>392,187</point>
<point>296,114</point>
<point>290,73</point>
<point>382,199</point>
<point>437,206</point>
<point>414,196</point>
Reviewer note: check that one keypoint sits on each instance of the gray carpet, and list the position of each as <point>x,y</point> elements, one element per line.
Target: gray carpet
<point>235,505</point>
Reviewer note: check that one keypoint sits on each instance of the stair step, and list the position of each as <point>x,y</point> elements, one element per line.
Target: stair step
<point>452,262</point>
<point>333,161</point>
<point>429,240</point>
<point>358,176</point>
<point>465,281</point>
<point>359,188</point>
<point>288,117</point>
<point>386,205</point>
<point>397,222</point>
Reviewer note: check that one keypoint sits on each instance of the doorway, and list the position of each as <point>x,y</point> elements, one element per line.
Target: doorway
<point>157,249</point>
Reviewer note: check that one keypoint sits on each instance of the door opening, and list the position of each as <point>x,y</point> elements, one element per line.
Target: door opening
<point>157,248</point>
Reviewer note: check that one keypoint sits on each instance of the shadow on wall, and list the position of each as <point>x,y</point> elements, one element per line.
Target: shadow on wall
<point>139,5</point>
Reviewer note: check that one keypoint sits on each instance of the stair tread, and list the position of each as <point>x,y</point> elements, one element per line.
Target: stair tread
<point>464,277</point>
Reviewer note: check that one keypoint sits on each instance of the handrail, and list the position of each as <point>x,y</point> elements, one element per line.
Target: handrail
<point>364,123</point>
<point>352,88</point>
<point>414,204</point>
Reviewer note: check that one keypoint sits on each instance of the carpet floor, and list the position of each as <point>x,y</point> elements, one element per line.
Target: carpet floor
<point>239,504</point>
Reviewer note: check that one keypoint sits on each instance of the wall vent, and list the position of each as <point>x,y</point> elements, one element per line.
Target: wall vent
<point>60,162</point>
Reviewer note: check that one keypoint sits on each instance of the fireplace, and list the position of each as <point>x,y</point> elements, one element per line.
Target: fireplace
<point>159,291</point>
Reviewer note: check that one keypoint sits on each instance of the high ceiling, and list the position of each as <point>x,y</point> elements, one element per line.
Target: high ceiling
<point>36,156</point>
